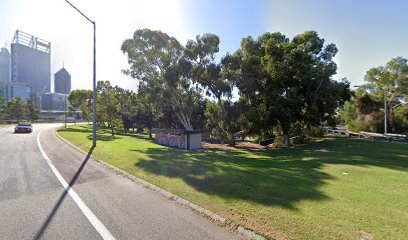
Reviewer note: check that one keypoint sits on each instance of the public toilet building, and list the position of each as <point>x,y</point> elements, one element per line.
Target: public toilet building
<point>178,138</point>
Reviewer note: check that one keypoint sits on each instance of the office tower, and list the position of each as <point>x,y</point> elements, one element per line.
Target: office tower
<point>4,65</point>
<point>30,62</point>
<point>62,81</point>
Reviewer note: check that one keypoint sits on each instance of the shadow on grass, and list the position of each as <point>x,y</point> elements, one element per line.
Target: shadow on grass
<point>360,153</point>
<point>103,137</point>
<point>140,136</point>
<point>102,134</point>
<point>234,175</point>
<point>280,177</point>
<point>77,129</point>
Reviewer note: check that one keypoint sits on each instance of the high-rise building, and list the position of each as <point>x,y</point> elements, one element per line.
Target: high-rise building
<point>30,62</point>
<point>4,65</point>
<point>62,81</point>
<point>54,101</point>
<point>10,90</point>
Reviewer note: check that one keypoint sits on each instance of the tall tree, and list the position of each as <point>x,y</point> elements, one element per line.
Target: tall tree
<point>129,104</point>
<point>16,109</point>
<point>162,63</point>
<point>108,106</point>
<point>289,80</point>
<point>212,76</point>
<point>81,99</point>
<point>33,111</point>
<point>390,82</point>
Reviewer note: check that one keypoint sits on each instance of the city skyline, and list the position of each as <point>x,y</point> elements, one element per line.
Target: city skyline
<point>367,33</point>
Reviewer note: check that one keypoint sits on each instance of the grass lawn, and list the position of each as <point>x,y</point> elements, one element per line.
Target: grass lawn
<point>334,188</point>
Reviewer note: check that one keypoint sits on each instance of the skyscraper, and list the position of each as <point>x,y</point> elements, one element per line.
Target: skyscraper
<point>4,65</point>
<point>30,62</point>
<point>8,89</point>
<point>62,81</point>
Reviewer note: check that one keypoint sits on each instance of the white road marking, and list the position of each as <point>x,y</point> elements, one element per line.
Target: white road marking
<point>96,223</point>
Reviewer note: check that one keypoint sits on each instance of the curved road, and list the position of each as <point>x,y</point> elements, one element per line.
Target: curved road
<point>35,205</point>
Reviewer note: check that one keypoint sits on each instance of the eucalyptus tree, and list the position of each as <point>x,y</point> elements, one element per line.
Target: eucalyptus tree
<point>213,77</point>
<point>159,61</point>
<point>108,106</point>
<point>128,107</point>
<point>288,81</point>
<point>81,99</point>
<point>390,82</point>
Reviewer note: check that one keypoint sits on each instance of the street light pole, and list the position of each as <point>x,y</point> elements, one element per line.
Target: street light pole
<point>65,103</point>
<point>94,76</point>
<point>385,112</point>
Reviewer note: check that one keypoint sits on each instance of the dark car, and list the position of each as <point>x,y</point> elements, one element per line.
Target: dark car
<point>23,128</point>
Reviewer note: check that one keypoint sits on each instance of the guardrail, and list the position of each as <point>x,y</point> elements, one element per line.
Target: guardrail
<point>390,137</point>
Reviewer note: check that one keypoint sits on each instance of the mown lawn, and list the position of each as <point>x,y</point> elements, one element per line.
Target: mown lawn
<point>334,188</point>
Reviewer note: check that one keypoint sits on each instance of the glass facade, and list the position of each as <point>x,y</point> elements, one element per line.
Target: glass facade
<point>62,82</point>
<point>54,101</point>
<point>9,90</point>
<point>4,65</point>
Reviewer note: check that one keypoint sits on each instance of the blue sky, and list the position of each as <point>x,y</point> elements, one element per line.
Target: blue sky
<point>368,33</point>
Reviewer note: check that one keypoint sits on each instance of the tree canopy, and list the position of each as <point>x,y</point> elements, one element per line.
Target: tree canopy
<point>283,85</point>
<point>288,81</point>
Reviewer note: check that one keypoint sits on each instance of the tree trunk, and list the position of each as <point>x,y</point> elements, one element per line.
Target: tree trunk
<point>392,121</point>
<point>232,142</point>
<point>184,121</point>
<point>286,139</point>
<point>286,135</point>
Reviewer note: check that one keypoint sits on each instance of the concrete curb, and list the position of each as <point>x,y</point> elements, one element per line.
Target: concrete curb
<point>247,233</point>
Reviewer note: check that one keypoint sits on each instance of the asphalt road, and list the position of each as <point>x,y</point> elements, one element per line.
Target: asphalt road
<point>35,205</point>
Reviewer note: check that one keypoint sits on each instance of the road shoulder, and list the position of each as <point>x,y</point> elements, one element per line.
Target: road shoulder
<point>219,220</point>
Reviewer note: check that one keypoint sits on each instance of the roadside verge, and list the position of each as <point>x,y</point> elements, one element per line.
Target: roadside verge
<point>247,233</point>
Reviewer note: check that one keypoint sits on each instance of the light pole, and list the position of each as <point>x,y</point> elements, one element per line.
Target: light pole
<point>385,111</point>
<point>65,103</point>
<point>94,76</point>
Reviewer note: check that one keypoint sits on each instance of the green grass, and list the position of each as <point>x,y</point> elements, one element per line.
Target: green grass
<point>299,193</point>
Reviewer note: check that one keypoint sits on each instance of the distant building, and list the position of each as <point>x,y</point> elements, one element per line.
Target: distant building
<point>4,65</point>
<point>54,101</point>
<point>30,62</point>
<point>10,90</point>
<point>62,81</point>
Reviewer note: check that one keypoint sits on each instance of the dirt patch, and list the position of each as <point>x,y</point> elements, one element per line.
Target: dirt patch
<point>364,235</point>
<point>238,145</point>
<point>268,232</point>
<point>323,150</point>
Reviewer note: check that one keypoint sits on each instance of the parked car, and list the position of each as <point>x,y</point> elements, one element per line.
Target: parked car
<point>23,128</point>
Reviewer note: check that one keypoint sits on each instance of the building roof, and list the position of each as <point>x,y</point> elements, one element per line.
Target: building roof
<point>5,51</point>
<point>175,131</point>
<point>62,71</point>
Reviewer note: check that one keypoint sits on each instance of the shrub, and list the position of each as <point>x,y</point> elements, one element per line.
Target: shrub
<point>298,139</point>
<point>278,141</point>
<point>316,132</point>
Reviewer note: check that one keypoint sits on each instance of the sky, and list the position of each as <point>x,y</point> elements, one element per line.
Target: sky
<point>368,33</point>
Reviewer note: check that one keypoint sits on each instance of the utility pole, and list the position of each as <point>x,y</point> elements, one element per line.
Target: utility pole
<point>385,111</point>
<point>94,76</point>
<point>65,103</point>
